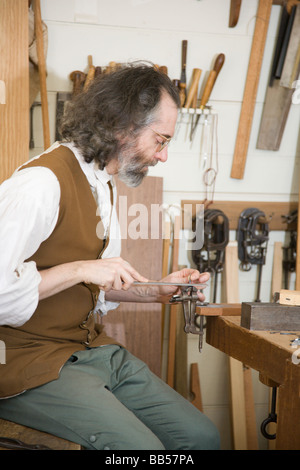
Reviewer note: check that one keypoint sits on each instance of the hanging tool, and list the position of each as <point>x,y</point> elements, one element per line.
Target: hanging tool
<point>90,75</point>
<point>78,79</point>
<point>252,237</point>
<point>191,100</point>
<point>278,99</point>
<point>193,88</point>
<point>212,77</point>
<point>31,139</point>
<point>211,257</point>
<point>182,84</point>
<point>290,251</point>
<point>250,90</point>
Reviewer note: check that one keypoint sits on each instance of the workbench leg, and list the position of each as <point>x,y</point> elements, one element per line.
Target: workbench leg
<point>288,433</point>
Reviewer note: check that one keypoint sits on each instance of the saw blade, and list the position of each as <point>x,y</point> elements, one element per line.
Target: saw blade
<point>178,284</point>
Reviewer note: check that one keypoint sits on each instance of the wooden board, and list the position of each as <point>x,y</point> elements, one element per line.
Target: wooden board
<point>277,268</point>
<point>289,297</point>
<point>238,408</point>
<point>274,211</point>
<point>270,316</point>
<point>140,323</point>
<point>14,72</point>
<point>250,91</point>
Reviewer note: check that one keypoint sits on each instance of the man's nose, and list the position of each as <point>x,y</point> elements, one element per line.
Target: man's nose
<point>162,156</point>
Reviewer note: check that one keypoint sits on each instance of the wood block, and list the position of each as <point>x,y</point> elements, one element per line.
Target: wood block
<point>289,297</point>
<point>270,316</point>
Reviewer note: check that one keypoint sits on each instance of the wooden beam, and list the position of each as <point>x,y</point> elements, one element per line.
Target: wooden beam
<point>250,91</point>
<point>238,409</point>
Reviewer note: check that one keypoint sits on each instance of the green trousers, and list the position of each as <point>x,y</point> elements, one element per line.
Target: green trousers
<point>105,398</point>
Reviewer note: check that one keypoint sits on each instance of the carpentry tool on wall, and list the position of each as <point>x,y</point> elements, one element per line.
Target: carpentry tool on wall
<point>252,237</point>
<point>78,79</point>
<point>211,257</point>
<point>285,69</point>
<point>290,251</point>
<point>211,80</point>
<point>31,139</point>
<point>182,84</point>
<point>191,100</point>
<point>250,91</point>
<point>90,74</point>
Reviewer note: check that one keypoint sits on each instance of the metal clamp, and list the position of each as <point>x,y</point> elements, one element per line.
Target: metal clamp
<point>189,299</point>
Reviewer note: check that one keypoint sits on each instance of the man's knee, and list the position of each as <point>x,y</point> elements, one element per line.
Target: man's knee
<point>107,441</point>
<point>206,436</point>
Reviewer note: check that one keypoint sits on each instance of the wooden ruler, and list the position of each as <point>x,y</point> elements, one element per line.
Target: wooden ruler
<point>250,91</point>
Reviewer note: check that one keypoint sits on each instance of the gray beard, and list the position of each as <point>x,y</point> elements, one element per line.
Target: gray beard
<point>132,167</point>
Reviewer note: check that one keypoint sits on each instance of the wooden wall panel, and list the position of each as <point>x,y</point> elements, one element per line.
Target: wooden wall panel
<point>14,71</point>
<point>139,324</point>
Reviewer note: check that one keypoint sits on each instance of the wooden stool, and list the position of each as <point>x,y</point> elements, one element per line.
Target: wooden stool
<point>16,436</point>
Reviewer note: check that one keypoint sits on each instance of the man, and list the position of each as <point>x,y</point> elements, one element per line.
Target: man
<point>62,374</point>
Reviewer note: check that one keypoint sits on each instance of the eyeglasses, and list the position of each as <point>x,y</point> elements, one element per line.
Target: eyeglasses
<point>161,145</point>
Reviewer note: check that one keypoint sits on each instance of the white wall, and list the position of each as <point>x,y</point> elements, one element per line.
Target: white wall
<point>123,30</point>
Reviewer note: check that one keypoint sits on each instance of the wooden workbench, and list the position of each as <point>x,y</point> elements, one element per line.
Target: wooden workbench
<point>271,355</point>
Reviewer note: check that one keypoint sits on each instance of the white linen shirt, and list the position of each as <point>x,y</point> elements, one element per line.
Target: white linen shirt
<point>29,208</point>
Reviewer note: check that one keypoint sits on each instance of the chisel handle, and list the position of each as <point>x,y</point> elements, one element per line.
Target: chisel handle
<point>193,88</point>
<point>219,63</point>
<point>208,88</point>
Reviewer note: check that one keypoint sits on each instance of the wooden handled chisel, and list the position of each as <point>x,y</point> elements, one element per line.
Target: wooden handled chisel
<point>193,88</point>
<point>212,77</point>
<point>182,84</point>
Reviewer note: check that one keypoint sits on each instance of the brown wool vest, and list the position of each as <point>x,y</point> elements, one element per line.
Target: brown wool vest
<point>63,323</point>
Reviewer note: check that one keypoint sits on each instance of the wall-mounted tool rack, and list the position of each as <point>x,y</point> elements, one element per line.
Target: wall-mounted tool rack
<point>274,211</point>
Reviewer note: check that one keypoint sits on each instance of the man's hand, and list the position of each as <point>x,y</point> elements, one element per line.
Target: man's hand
<point>110,274</point>
<point>184,276</point>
